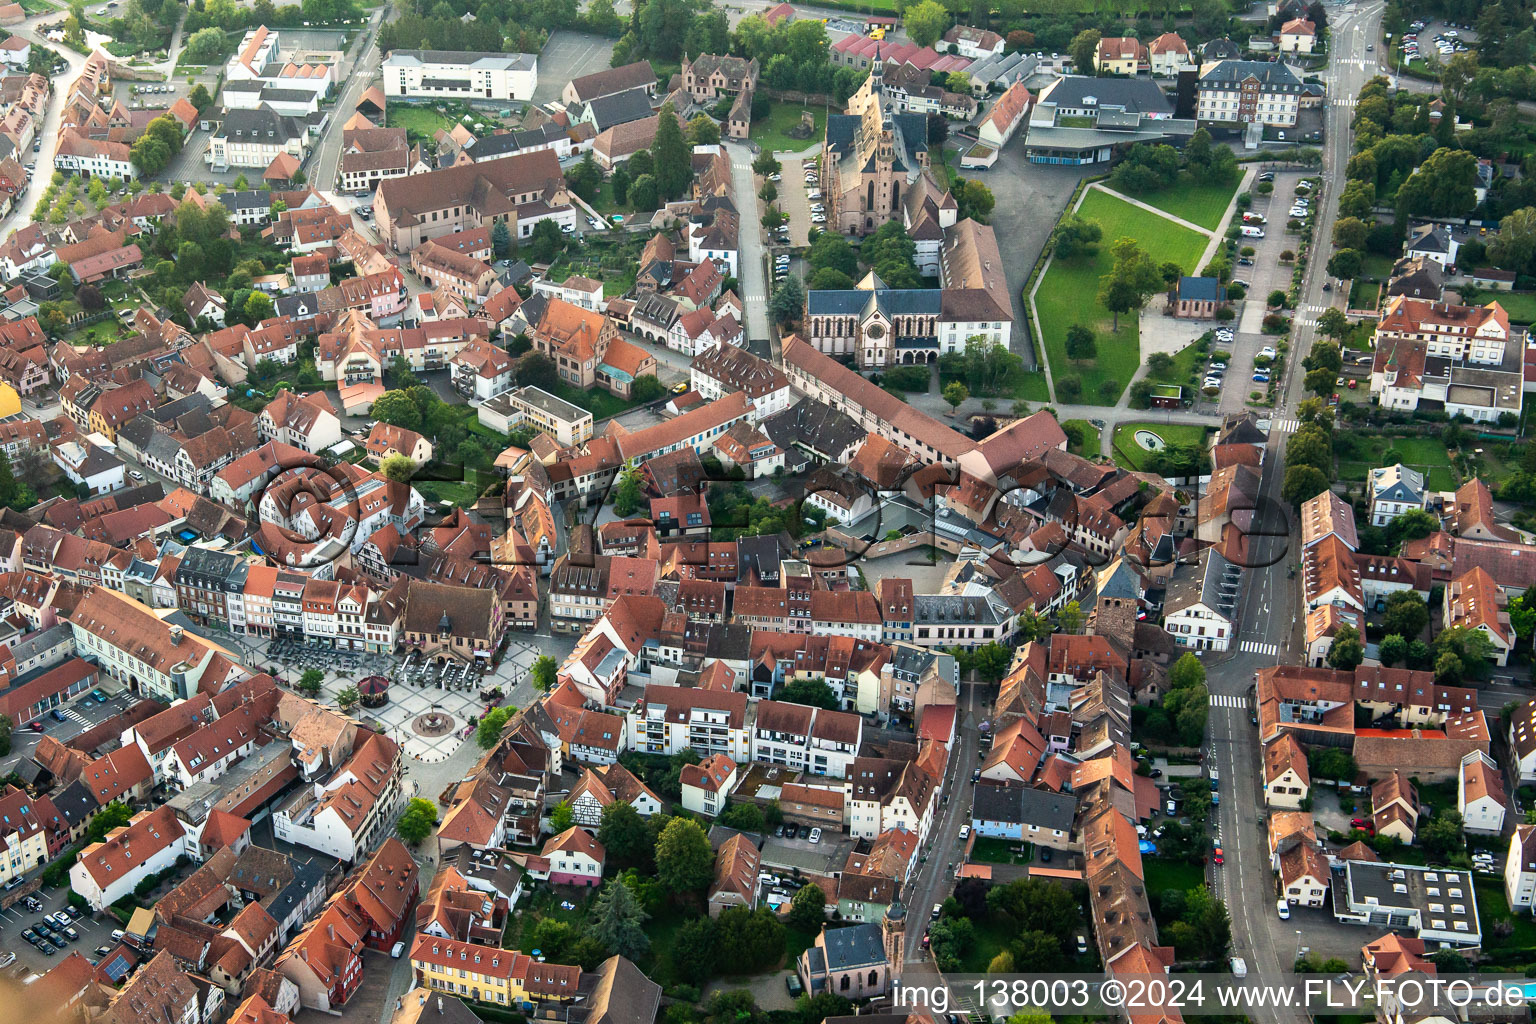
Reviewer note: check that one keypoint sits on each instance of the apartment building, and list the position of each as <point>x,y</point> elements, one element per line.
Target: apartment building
<point>454,74</point>
<point>806,739</point>
<point>1247,92</point>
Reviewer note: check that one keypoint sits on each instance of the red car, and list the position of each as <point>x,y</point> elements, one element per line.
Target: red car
<point>1353,384</point>
<point>35,726</point>
<point>1217,857</point>
<point>1359,823</point>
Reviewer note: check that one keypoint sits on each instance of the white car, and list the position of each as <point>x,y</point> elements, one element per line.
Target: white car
<point>1267,352</point>
<point>965,831</point>
<point>815,835</point>
<point>1283,909</point>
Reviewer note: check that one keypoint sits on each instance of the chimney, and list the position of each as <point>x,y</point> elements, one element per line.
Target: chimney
<point>175,636</point>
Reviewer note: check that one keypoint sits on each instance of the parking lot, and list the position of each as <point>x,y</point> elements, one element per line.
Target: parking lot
<point>569,55</point>
<point>80,714</point>
<point>94,932</point>
<point>796,201</point>
<point>1437,41</point>
<point>1265,274</point>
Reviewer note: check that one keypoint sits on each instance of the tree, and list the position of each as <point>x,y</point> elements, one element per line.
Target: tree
<point>808,909</point>
<point>618,922</point>
<point>765,163</point>
<point>543,673</point>
<point>1406,614</point>
<point>205,46</point>
<point>619,182</point>
<point>1393,650</point>
<point>955,394</point>
<point>1187,671</point>
<point>488,729</point>
<point>1346,263</point>
<point>788,301</point>
<point>624,834</point>
<point>975,200</point>
<point>1333,322</point>
<point>546,241</point>
<point>1080,343</point>
<point>1084,51</point>
<point>397,409</point>
<point>1441,835</point>
<point>1132,277</point>
<point>814,692</point>
<point>398,467</point>
<point>674,160</point>
<point>1349,233</point>
<point>746,817</point>
<point>702,131</point>
<point>1346,652</point>
<point>6,726</point>
<point>1461,653</point>
<point>1076,236</point>
<point>309,682</point>
<point>1357,199</point>
<point>1301,483</point>
<point>1514,247</point>
<point>348,698</point>
<point>535,369</point>
<point>1070,619</point>
<point>200,98</point>
<point>925,22</point>
<point>417,821</point>
<point>1443,185</point>
<point>684,861</point>
<point>562,817</point>
<point>586,178</point>
<point>628,495</point>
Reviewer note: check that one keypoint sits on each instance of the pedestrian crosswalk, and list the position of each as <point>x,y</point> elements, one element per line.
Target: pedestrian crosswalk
<point>1313,307</point>
<point>1345,101</point>
<point>1259,647</point>
<point>75,716</point>
<point>1305,321</point>
<point>1223,700</point>
<point>1284,426</point>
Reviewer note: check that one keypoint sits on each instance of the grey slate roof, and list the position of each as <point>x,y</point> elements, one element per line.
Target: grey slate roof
<point>856,946</point>
<point>1430,238</point>
<point>820,428</point>
<point>1137,95</point>
<point>620,108</point>
<point>479,60</point>
<point>1275,75</point>
<point>262,124</point>
<point>860,301</point>
<point>1021,805</point>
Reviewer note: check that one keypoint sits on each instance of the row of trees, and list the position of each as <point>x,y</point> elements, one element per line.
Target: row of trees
<point>1154,168</point>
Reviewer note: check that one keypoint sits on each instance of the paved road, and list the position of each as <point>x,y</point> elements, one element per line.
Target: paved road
<point>42,167</point>
<point>752,275</point>
<point>326,159</point>
<point>1269,610</point>
<point>935,877</point>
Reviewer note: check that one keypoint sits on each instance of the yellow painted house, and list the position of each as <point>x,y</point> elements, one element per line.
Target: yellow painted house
<point>489,974</point>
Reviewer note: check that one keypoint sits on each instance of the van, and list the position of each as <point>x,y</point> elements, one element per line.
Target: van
<point>1249,231</point>
<point>396,950</point>
<point>1239,967</point>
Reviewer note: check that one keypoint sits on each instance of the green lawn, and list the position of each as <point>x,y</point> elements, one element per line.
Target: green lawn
<point>600,404</point>
<point>1068,295</point>
<point>1521,306</point>
<point>1089,448</point>
<point>999,851</point>
<point>1162,874</point>
<point>992,937</point>
<point>422,121</point>
<point>772,132</point>
<point>1425,454</point>
<point>1186,361</point>
<point>1199,204</point>
<point>1364,294</point>
<point>1493,907</point>
<point>38,6</point>
<point>1377,266</point>
<point>1032,387</point>
<point>947,160</point>
<point>1131,455</point>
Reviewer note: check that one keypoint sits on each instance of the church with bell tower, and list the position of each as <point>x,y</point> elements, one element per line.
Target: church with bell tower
<point>871,155</point>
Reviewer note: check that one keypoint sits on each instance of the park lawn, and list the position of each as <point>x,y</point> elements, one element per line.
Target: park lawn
<point>772,132</point>
<point>1131,455</point>
<point>102,332</point>
<point>38,6</point>
<point>1204,205</point>
<point>1090,447</point>
<point>456,493</point>
<point>1070,287</point>
<point>1521,306</point>
<point>1185,362</point>
<point>992,937</point>
<point>1033,387</point>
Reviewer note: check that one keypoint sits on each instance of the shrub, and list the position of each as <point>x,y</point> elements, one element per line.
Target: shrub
<point>1265,188</point>
<point>1225,313</point>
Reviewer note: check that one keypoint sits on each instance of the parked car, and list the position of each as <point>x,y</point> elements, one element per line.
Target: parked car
<point>965,832</point>
<point>815,835</point>
<point>1283,909</point>
<point>938,908</point>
